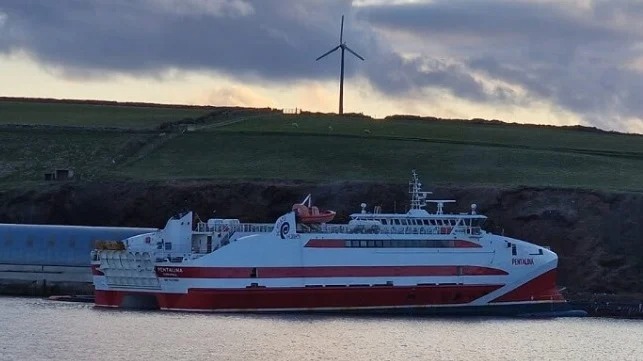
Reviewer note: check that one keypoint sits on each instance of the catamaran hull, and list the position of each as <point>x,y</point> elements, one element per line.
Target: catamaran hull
<point>533,298</point>
<point>219,301</point>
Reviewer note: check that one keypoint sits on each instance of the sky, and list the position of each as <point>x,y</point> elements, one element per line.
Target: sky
<point>527,61</point>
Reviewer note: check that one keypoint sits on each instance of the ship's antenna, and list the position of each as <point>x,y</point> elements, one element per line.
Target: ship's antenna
<point>418,198</point>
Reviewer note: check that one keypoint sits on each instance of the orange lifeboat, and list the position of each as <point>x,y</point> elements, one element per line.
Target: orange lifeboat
<point>307,213</point>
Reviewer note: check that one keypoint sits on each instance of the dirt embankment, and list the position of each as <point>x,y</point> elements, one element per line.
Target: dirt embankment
<point>598,235</point>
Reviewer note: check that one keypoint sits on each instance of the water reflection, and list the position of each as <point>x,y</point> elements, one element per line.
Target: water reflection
<point>34,329</point>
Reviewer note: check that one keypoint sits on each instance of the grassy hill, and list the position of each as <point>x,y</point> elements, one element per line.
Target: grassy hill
<point>90,115</point>
<point>158,142</point>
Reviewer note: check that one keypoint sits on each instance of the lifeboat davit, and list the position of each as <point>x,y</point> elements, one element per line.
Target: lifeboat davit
<point>307,213</point>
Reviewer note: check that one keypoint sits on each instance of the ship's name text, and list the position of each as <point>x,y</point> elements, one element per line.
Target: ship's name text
<point>522,261</point>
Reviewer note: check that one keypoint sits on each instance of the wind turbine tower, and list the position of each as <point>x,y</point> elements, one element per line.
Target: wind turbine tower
<point>342,45</point>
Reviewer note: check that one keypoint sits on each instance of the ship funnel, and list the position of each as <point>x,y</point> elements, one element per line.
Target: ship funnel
<point>177,234</point>
<point>286,226</point>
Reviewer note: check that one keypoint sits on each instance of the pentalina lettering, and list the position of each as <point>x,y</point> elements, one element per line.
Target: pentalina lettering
<point>169,269</point>
<point>522,261</point>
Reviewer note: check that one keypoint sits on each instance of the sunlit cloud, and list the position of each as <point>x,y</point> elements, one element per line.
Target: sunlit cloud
<point>540,61</point>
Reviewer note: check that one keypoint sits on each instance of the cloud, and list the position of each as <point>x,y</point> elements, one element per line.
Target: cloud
<point>244,38</point>
<point>485,21</point>
<point>237,95</point>
<point>269,40</point>
<point>577,55</point>
<point>580,56</point>
<point>197,8</point>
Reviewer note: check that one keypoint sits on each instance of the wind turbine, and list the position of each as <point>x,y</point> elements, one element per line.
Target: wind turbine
<point>342,45</point>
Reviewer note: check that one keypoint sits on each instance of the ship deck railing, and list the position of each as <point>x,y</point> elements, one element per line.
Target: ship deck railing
<point>419,230</point>
<point>235,227</point>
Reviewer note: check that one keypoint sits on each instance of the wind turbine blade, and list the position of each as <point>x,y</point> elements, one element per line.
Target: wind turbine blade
<point>341,32</point>
<point>352,52</point>
<point>328,52</point>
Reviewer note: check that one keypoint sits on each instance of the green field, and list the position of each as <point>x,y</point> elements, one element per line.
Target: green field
<point>89,115</point>
<point>310,147</point>
<point>27,155</point>
<point>448,132</point>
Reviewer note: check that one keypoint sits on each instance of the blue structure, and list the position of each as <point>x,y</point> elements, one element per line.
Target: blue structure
<point>48,245</point>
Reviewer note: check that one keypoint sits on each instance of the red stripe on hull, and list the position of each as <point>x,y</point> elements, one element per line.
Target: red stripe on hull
<point>308,298</point>
<point>324,271</point>
<point>541,288</point>
<point>466,244</point>
<point>326,243</point>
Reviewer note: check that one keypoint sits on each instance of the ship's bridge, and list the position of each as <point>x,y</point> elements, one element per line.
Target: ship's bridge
<point>418,219</point>
<point>427,223</point>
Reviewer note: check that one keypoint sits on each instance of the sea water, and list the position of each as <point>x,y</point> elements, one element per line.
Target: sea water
<point>38,329</point>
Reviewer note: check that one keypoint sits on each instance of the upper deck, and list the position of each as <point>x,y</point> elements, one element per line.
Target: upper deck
<point>416,221</point>
<point>185,237</point>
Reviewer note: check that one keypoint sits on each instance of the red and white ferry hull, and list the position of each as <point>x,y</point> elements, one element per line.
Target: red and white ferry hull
<point>412,263</point>
<point>489,296</point>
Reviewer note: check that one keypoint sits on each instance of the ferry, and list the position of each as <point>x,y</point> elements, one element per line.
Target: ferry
<point>422,262</point>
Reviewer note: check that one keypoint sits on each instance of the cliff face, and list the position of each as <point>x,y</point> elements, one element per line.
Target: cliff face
<point>598,235</point>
